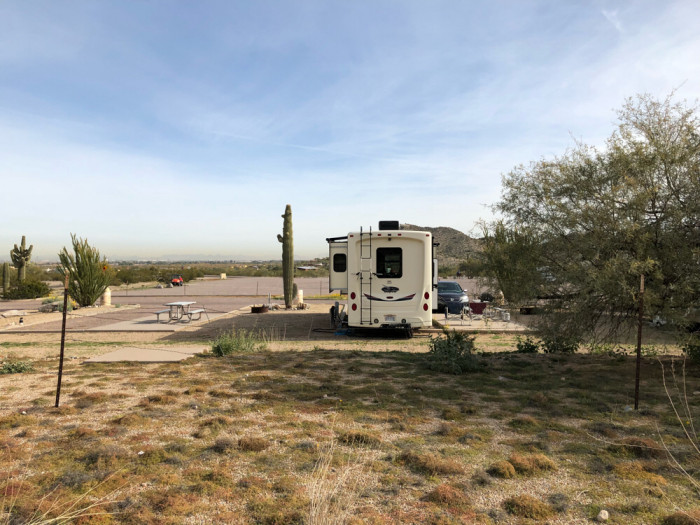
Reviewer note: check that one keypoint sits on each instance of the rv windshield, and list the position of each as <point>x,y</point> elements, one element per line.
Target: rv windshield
<point>389,263</point>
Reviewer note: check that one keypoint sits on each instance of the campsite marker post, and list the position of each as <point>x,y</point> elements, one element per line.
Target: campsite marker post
<point>639,342</point>
<point>63,340</point>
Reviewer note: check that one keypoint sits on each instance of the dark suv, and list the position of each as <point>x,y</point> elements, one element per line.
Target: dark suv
<point>451,296</point>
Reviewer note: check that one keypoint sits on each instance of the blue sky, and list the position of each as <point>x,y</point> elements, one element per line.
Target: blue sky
<point>176,128</point>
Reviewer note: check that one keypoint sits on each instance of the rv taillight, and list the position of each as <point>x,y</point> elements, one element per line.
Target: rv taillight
<point>426,295</point>
<point>352,295</point>
<point>354,307</point>
<point>425,307</point>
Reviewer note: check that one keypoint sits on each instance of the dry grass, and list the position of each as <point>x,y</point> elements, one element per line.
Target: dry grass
<point>526,506</point>
<point>333,436</point>
<point>335,487</point>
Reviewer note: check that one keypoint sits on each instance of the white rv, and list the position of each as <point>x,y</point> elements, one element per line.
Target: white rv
<point>390,276</point>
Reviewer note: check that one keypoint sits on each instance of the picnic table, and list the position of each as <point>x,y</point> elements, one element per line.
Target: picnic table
<point>180,311</point>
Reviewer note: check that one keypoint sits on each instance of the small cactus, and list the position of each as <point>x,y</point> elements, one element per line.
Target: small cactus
<point>287,257</point>
<point>5,278</point>
<point>20,258</point>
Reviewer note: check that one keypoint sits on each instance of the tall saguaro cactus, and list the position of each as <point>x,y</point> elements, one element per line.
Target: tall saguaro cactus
<point>20,257</point>
<point>5,278</point>
<point>287,256</point>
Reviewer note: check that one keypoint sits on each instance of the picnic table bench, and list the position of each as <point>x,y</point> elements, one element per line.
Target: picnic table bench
<point>181,311</point>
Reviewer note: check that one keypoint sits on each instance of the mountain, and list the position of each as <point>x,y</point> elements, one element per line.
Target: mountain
<point>454,246</point>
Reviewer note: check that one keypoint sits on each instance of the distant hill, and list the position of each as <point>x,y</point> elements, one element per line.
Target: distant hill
<point>454,245</point>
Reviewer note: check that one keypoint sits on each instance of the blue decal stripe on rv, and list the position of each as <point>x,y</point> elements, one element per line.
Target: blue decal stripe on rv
<point>373,298</point>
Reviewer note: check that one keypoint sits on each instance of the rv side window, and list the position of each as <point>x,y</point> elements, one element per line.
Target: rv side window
<point>389,263</point>
<point>340,263</point>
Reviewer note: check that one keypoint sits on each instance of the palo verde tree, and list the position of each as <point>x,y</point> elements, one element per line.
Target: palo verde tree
<point>602,218</point>
<point>20,256</point>
<point>511,257</point>
<point>287,257</point>
<point>88,273</point>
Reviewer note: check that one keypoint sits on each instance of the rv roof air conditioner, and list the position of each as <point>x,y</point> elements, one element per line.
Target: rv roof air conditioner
<point>389,225</point>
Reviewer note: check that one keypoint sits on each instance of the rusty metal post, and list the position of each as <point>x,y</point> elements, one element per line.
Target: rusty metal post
<point>639,342</point>
<point>63,340</point>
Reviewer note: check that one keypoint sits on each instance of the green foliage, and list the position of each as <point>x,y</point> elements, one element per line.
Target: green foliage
<point>16,367</point>
<point>560,345</point>
<point>88,274</point>
<point>237,342</point>
<point>581,228</point>
<point>28,290</point>
<point>527,345</point>
<point>287,241</point>
<point>20,256</point>
<point>452,353</point>
<point>511,260</point>
<point>691,349</point>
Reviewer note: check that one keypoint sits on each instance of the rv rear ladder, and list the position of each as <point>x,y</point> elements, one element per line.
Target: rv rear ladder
<point>365,276</point>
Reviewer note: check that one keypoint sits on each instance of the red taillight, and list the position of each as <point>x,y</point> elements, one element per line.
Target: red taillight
<point>426,295</point>
<point>354,307</point>
<point>352,295</point>
<point>425,307</point>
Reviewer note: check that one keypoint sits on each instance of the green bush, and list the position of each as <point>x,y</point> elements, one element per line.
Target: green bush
<point>237,342</point>
<point>28,290</point>
<point>559,345</point>
<point>16,367</point>
<point>453,353</point>
<point>691,349</point>
<point>527,345</point>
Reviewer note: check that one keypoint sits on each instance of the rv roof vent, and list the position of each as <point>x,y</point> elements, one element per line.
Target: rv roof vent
<point>389,225</point>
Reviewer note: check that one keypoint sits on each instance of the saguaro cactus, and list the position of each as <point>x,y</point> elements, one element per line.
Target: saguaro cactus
<point>20,257</point>
<point>5,278</point>
<point>287,257</point>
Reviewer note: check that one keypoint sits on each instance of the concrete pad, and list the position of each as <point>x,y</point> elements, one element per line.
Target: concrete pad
<point>149,355</point>
<point>151,324</point>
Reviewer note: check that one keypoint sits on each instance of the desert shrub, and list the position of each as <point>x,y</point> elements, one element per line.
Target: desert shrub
<point>237,342</point>
<point>447,495</point>
<point>28,290</point>
<point>486,297</point>
<point>527,345</point>
<point>682,518</point>
<point>643,448</point>
<point>637,470</point>
<point>691,349</point>
<point>253,444</point>
<point>502,469</point>
<point>16,367</point>
<point>223,445</point>
<point>430,464</point>
<point>559,345</point>
<point>453,353</point>
<point>531,465</point>
<point>528,507</point>
<point>359,438</point>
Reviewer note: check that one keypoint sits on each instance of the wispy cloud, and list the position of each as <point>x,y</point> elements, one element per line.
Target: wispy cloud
<point>136,118</point>
<point>612,17</point>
